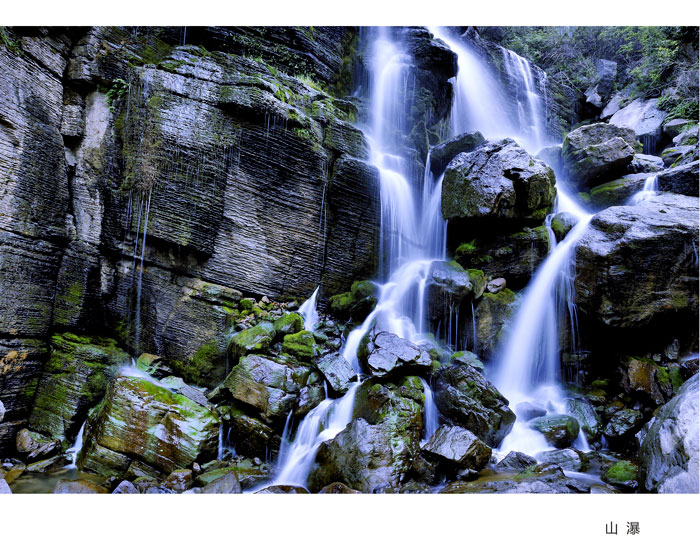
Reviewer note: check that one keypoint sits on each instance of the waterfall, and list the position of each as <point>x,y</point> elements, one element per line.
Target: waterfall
<point>308,311</point>
<point>76,447</point>
<point>430,417</point>
<point>651,185</point>
<point>531,116</point>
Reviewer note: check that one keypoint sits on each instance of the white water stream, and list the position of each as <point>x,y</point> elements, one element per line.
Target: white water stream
<point>308,311</point>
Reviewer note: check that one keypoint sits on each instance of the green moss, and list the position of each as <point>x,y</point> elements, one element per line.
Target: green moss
<point>621,472</point>
<point>289,323</point>
<point>679,300</point>
<point>478,279</point>
<point>6,40</point>
<point>302,345</point>
<point>504,297</point>
<point>529,472</point>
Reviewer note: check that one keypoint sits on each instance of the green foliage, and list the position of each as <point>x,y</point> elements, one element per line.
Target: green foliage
<point>6,40</point>
<point>678,108</point>
<point>118,90</point>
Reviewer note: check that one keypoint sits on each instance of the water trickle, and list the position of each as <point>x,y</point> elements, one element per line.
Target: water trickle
<point>651,185</point>
<point>308,311</point>
<point>137,322</point>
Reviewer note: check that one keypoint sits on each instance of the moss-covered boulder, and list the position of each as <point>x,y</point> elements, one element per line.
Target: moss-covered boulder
<point>357,303</point>
<point>140,420</point>
<point>618,191</point>
<point>301,345</point>
<point>75,379</point>
<point>467,399</point>
<point>289,323</point>
<point>595,153</point>
<point>622,474</point>
<point>587,417</point>
<point>497,181</point>
<point>252,340</point>
<point>560,430</point>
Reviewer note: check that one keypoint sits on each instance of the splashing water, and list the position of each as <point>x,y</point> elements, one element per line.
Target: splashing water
<point>430,419</point>
<point>74,450</point>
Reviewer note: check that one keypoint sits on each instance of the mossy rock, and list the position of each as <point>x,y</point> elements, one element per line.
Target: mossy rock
<point>357,303</point>
<point>302,345</point>
<point>560,430</point>
<point>289,323</point>
<point>252,340</point>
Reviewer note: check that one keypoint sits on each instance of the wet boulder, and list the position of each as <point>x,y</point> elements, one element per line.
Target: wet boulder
<point>467,399</point>
<point>399,404</point>
<point>458,448</point>
<point>74,380</point>
<point>644,163</point>
<point>388,354</point>
<point>513,256</point>
<point>225,484</point>
<point>337,371</point>
<point>560,430</point>
<point>337,488</point>
<point>668,457</point>
<point>263,385</point>
<point>623,425</point>
<point>289,323</point>
<point>622,474</point>
<point>497,181</point>
<point>587,417</point>
<point>566,459</point>
<point>595,153</point>
<point>301,345</point>
<point>492,317</point>
<point>618,191</point>
<point>364,457</point>
<point>637,265</point>
<point>442,154</point>
<point>140,420</point>
<point>516,461</point>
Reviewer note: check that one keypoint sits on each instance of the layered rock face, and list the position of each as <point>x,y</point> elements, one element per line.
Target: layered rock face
<point>149,184</point>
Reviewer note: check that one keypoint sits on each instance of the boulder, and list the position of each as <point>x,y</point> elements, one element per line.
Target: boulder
<point>497,181</point>
<point>458,448</point>
<point>177,385</point>
<point>587,417</point>
<point>566,459</point>
<point>226,484</point>
<point>562,223</point>
<point>337,488</point>
<point>442,154</point>
<point>644,163</point>
<point>140,420</point>
<point>75,379</point>
<point>622,474</point>
<point>365,457</point>
<point>301,345</point>
<point>493,315</point>
<point>251,340</point>
<point>560,430</point>
<point>675,126</point>
<point>357,303</point>
<point>513,256</point>
<point>636,265</point>
<point>642,374</point>
<point>614,105</point>
<point>645,118</point>
<point>389,354</point>
<point>682,179</point>
<point>179,480</point>
<point>679,155</point>
<point>688,137</point>
<point>668,457</point>
<point>337,371</point>
<point>399,404</point>
<point>597,152</point>
<point>263,385</point>
<point>125,487</point>
<point>467,399</point>
<point>516,461</point>
<point>623,425</point>
<point>496,285</point>
<point>289,323</point>
<point>619,191</point>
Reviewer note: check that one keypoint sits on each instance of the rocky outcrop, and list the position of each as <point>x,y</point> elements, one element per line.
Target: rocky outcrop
<point>492,317</point>
<point>466,398</point>
<point>498,181</point>
<point>598,152</point>
<point>646,119</point>
<point>619,191</point>
<point>75,379</point>
<point>668,458</point>
<point>637,265</point>
<point>682,179</point>
<point>139,420</point>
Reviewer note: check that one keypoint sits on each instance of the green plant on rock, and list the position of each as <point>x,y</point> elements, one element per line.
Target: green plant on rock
<point>6,40</point>
<point>118,90</point>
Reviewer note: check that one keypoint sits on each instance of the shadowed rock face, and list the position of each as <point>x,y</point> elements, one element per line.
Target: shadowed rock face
<point>636,265</point>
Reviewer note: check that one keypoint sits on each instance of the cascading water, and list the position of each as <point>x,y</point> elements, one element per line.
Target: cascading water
<point>651,185</point>
<point>308,311</point>
<point>430,416</point>
<point>76,447</point>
